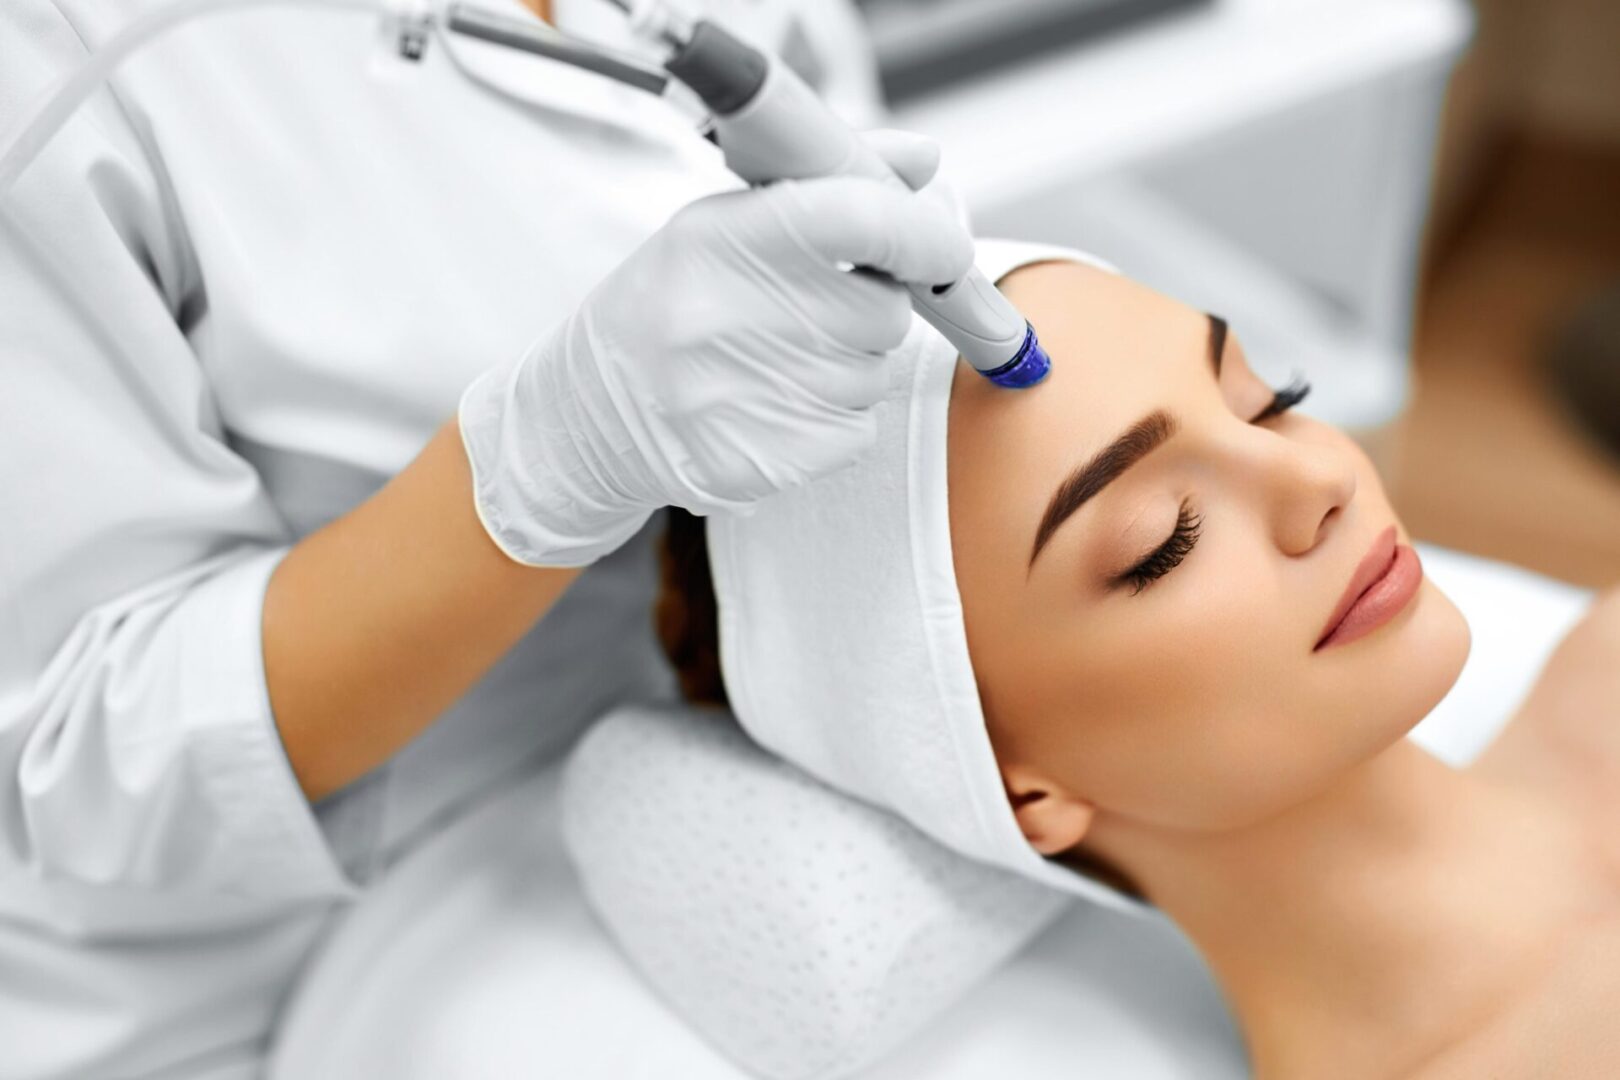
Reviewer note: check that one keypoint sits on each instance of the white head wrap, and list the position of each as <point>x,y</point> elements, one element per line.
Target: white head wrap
<point>841,632</point>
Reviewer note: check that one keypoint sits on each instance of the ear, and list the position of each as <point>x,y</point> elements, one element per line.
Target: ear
<point>1051,818</point>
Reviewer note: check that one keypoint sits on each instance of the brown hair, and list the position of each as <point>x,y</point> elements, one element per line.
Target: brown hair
<point>686,615</point>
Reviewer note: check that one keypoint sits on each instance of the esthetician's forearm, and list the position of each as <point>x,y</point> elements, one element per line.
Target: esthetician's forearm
<point>375,624</point>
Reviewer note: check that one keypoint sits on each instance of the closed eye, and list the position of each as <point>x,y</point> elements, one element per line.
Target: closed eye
<point>1109,464</point>
<point>1282,400</point>
<point>1189,526</point>
<point>1168,555</point>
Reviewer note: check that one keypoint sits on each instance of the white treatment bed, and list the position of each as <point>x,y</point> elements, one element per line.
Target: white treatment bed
<point>476,956</point>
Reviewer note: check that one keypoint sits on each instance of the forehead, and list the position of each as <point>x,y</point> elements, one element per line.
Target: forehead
<point>1118,350</point>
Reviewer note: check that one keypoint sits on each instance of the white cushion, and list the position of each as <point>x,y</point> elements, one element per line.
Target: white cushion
<point>802,932</point>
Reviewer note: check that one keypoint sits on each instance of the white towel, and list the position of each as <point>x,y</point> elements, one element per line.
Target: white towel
<point>841,633</point>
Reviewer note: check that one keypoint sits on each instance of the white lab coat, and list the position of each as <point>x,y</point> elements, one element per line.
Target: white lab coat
<point>236,295</point>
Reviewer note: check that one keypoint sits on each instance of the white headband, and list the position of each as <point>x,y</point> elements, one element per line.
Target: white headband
<point>841,632</point>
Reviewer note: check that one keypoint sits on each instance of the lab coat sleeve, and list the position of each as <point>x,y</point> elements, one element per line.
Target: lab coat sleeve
<point>145,754</point>
<point>137,745</point>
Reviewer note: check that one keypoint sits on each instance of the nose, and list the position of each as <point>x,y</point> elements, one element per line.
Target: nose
<point>1305,486</point>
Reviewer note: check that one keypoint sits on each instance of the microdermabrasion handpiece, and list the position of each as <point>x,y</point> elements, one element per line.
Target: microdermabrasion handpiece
<point>772,126</point>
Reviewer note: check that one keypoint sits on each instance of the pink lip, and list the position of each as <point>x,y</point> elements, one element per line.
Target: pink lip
<point>1384,582</point>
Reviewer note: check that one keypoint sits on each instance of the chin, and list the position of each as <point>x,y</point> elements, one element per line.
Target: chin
<point>1432,642</point>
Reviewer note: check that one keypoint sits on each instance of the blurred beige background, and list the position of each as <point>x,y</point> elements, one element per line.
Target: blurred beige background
<point>1526,229</point>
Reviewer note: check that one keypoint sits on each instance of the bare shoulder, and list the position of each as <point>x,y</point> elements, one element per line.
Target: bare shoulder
<point>1573,711</point>
<point>1565,743</point>
<point>1560,1025</point>
<point>1595,638</point>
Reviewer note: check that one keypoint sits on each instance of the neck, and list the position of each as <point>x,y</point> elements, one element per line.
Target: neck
<point>1368,924</point>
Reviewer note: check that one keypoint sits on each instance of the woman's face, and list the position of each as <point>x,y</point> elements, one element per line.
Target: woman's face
<point>1196,699</point>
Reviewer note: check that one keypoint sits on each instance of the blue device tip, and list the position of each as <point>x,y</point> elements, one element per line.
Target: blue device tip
<point>1027,368</point>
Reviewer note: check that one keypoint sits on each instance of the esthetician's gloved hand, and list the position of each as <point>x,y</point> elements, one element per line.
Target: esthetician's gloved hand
<point>727,359</point>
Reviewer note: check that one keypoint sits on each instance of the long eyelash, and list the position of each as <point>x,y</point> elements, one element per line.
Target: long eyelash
<point>1189,526</point>
<point>1169,554</point>
<point>1282,400</point>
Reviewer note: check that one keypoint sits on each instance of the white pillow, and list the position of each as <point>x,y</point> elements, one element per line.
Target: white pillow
<point>801,932</point>
<point>1516,618</point>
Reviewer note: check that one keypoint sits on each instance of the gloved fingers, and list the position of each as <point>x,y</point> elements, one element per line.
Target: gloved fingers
<point>851,368</point>
<point>944,194</point>
<point>773,446</point>
<point>874,314</point>
<point>872,224</point>
<point>852,433</point>
<point>853,382</point>
<point>914,157</point>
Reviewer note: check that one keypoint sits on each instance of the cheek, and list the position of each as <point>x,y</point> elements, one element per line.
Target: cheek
<point>1202,707</point>
<point>1174,710</point>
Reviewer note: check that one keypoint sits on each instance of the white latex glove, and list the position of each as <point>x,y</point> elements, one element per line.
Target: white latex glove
<point>727,359</point>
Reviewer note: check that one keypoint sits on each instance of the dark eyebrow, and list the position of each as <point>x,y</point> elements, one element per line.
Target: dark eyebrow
<point>1106,466</point>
